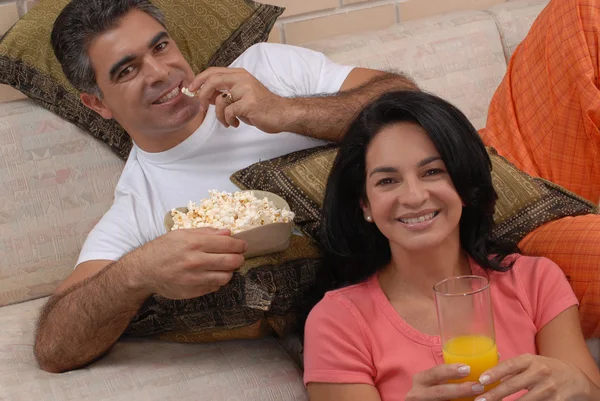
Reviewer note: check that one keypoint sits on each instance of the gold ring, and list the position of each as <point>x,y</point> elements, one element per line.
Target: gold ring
<point>227,97</point>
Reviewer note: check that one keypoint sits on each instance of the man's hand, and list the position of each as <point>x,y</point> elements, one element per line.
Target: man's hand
<point>187,263</point>
<point>250,101</point>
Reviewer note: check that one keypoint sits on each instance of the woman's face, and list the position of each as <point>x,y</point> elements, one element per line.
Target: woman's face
<point>410,196</point>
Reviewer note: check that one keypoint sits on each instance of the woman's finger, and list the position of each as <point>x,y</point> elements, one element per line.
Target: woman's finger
<point>517,383</point>
<point>441,374</point>
<point>451,391</point>
<point>510,367</point>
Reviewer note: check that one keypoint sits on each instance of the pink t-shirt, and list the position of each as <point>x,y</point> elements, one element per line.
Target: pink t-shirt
<point>354,335</point>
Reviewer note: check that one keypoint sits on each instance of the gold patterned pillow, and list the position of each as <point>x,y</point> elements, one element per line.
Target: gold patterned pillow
<point>270,294</point>
<point>524,203</point>
<point>220,32</point>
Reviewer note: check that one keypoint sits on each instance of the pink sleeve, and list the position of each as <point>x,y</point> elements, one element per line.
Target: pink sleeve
<point>335,349</point>
<point>547,289</point>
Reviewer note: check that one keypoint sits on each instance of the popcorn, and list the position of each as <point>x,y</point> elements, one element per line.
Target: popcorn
<point>187,92</point>
<point>237,212</point>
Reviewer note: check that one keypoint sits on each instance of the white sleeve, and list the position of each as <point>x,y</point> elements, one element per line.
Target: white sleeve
<point>115,235</point>
<point>293,71</point>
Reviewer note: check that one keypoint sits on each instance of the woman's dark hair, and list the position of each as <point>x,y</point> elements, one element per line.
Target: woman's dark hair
<point>357,249</point>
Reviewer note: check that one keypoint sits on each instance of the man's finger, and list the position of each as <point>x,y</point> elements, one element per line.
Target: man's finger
<point>201,78</point>
<point>217,83</point>
<point>220,244</point>
<point>441,374</point>
<point>220,106</point>
<point>217,262</point>
<point>230,114</point>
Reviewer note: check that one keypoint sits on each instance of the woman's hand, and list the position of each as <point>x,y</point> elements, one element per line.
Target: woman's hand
<point>546,379</point>
<point>432,384</point>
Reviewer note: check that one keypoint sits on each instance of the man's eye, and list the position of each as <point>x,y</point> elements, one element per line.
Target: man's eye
<point>126,71</point>
<point>161,46</point>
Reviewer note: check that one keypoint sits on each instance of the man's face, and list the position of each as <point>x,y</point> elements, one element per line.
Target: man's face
<point>140,72</point>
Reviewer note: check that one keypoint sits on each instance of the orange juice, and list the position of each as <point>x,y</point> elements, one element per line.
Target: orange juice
<point>479,352</point>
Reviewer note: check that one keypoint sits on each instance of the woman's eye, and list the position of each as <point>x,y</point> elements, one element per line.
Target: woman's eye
<point>385,181</point>
<point>433,171</point>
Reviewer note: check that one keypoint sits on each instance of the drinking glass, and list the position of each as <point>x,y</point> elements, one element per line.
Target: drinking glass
<point>466,323</point>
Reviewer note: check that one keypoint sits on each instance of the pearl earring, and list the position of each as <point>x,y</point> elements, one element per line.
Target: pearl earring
<point>369,219</point>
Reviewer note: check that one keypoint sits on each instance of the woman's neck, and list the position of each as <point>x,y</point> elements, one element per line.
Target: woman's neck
<point>415,273</point>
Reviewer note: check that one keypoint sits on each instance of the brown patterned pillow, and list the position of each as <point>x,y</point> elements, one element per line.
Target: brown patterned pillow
<point>270,294</point>
<point>524,203</point>
<point>222,30</point>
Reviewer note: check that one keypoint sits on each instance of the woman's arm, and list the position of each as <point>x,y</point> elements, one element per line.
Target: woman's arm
<point>563,339</point>
<point>563,369</point>
<point>342,392</point>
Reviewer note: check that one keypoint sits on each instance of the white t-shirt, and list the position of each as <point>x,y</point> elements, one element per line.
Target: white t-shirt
<point>153,183</point>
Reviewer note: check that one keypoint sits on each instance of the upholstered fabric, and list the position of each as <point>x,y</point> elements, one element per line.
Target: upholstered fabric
<point>55,184</point>
<point>524,203</point>
<point>208,33</point>
<point>457,56</point>
<point>258,370</point>
<point>513,20</point>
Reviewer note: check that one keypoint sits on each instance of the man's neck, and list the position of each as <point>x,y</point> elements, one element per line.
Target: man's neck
<point>166,141</point>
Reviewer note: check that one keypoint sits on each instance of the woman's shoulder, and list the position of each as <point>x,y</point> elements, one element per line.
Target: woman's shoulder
<point>528,265</point>
<point>531,275</point>
<point>347,301</point>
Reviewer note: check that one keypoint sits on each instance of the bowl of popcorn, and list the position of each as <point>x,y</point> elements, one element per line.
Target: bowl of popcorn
<point>260,218</point>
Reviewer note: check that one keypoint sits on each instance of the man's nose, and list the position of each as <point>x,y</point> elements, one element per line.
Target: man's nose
<point>156,71</point>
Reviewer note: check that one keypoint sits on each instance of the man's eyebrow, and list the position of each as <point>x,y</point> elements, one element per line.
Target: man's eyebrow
<point>130,57</point>
<point>117,66</point>
<point>157,38</point>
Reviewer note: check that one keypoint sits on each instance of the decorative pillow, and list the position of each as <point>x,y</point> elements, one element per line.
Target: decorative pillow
<point>524,203</point>
<point>270,294</point>
<point>219,33</point>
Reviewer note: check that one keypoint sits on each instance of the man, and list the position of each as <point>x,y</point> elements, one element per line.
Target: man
<point>119,54</point>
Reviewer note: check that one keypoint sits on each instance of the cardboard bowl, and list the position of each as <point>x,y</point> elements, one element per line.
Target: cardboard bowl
<point>263,240</point>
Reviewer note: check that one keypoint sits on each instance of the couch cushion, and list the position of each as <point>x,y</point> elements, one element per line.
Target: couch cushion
<point>257,370</point>
<point>524,203</point>
<point>457,56</point>
<point>55,184</point>
<point>514,20</point>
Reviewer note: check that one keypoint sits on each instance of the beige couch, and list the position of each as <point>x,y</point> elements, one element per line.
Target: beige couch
<point>56,182</point>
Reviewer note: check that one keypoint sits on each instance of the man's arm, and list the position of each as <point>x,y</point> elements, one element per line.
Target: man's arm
<point>89,312</point>
<point>327,117</point>
<point>86,315</point>
<point>319,116</point>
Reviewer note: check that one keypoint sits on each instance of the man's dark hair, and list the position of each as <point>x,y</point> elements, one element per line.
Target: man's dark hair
<point>79,24</point>
<point>356,249</point>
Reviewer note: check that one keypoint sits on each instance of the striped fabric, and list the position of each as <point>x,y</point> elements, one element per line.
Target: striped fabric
<point>545,118</point>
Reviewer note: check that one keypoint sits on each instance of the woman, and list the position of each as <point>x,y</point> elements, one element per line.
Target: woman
<point>409,203</point>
